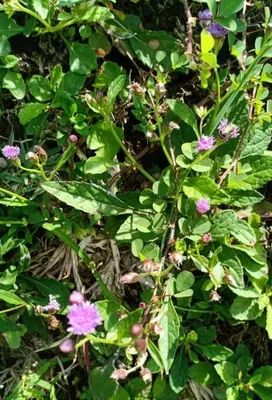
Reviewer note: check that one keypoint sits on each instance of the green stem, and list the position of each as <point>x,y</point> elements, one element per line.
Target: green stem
<point>127,153</point>
<point>95,339</point>
<point>20,8</point>
<point>9,193</point>
<point>193,310</point>
<point>65,156</point>
<point>161,135</point>
<point>218,87</point>
<point>12,309</point>
<point>33,171</point>
<point>42,173</point>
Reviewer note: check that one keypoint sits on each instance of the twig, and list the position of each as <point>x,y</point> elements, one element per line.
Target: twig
<point>189,28</point>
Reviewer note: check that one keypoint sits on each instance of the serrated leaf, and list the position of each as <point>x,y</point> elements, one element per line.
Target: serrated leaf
<point>82,58</point>
<point>257,140</point>
<point>183,112</point>
<point>30,111</point>
<point>97,14</point>
<point>41,7</point>
<point>169,336</point>
<point>14,82</point>
<point>227,371</point>
<point>261,172</point>
<point>244,198</point>
<point>179,372</point>
<point>204,187</point>
<point>87,197</point>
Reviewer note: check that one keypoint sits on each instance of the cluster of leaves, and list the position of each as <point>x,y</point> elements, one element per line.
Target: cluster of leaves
<point>196,270</point>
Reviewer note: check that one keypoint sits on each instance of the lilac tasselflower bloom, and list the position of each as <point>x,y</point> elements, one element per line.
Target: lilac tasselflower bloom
<point>217,30</point>
<point>11,152</point>
<point>83,318</point>
<point>52,306</point>
<point>203,206</point>
<point>227,130</point>
<point>205,143</point>
<point>205,15</point>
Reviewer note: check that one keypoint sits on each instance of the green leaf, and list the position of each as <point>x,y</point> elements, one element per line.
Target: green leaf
<point>40,88</point>
<point>87,197</point>
<point>203,373</point>
<point>97,14</point>
<point>266,376</point>
<point>14,82</point>
<point>124,326</point>
<point>264,393</point>
<point>183,112</point>
<point>179,372</point>
<point>162,391</point>
<point>8,27</point>
<point>200,225</point>
<point>228,23</point>
<point>210,59</point>
<point>108,72</point>
<point>215,352</point>
<point>121,394</point>
<point>243,232</point>
<point>207,41</point>
<point>204,187</point>
<point>230,7</point>
<point>98,165</point>
<point>41,7</point>
<point>10,298</point>
<point>169,336</point>
<point>115,87</point>
<point>4,46</point>
<point>269,324</point>
<point>155,354</point>
<point>256,140</point>
<point>184,281</point>
<point>103,387</point>
<point>7,325</point>
<point>101,139</point>
<point>260,174</point>
<point>227,371</point>
<point>82,58</point>
<point>72,83</point>
<point>244,198</point>
<point>30,111</point>
<point>245,309</point>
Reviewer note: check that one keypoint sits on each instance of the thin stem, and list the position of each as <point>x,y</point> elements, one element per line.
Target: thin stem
<point>161,135</point>
<point>33,14</point>
<point>33,171</point>
<point>193,310</point>
<point>9,193</point>
<point>42,173</point>
<point>127,153</point>
<point>65,156</point>
<point>218,88</point>
<point>12,309</point>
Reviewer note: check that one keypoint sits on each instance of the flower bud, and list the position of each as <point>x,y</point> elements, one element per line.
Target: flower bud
<point>67,346</point>
<point>173,125</point>
<point>146,375</point>
<point>73,138</point>
<point>129,278</point>
<point>41,153</point>
<point>160,89</point>
<point>206,238</point>
<point>76,297</point>
<point>32,157</point>
<point>142,305</point>
<point>121,373</point>
<point>137,329</point>
<point>228,279</point>
<point>176,258</point>
<point>136,88</point>
<point>214,296</point>
<point>148,265</point>
<point>140,345</point>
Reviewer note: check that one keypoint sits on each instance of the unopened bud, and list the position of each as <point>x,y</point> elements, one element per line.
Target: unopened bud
<point>173,125</point>
<point>136,88</point>
<point>129,278</point>
<point>32,157</point>
<point>137,329</point>
<point>142,305</point>
<point>228,278</point>
<point>146,375</point>
<point>67,346</point>
<point>160,89</point>
<point>73,138</point>
<point>214,296</point>
<point>148,265</point>
<point>155,328</point>
<point>140,345</point>
<point>206,238</point>
<point>41,153</point>
<point>176,258</point>
<point>121,373</point>
<point>76,298</point>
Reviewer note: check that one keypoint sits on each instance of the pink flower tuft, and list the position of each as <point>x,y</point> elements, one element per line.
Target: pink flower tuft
<point>205,143</point>
<point>83,318</point>
<point>11,152</point>
<point>203,206</point>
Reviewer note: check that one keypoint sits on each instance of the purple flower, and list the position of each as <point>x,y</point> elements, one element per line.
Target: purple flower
<point>227,130</point>
<point>52,306</point>
<point>73,138</point>
<point>205,15</point>
<point>11,152</point>
<point>67,346</point>
<point>203,206</point>
<point>217,30</point>
<point>83,318</point>
<point>205,143</point>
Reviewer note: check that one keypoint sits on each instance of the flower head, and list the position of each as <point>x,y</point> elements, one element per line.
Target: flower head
<point>136,88</point>
<point>83,318</point>
<point>11,152</point>
<point>203,206</point>
<point>41,153</point>
<point>217,30</point>
<point>176,258</point>
<point>73,138</point>
<point>76,298</point>
<point>67,346</point>
<point>146,375</point>
<point>227,130</point>
<point>205,143</point>
<point>32,157</point>
<point>206,238</point>
<point>52,306</point>
<point>215,296</point>
<point>205,15</point>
